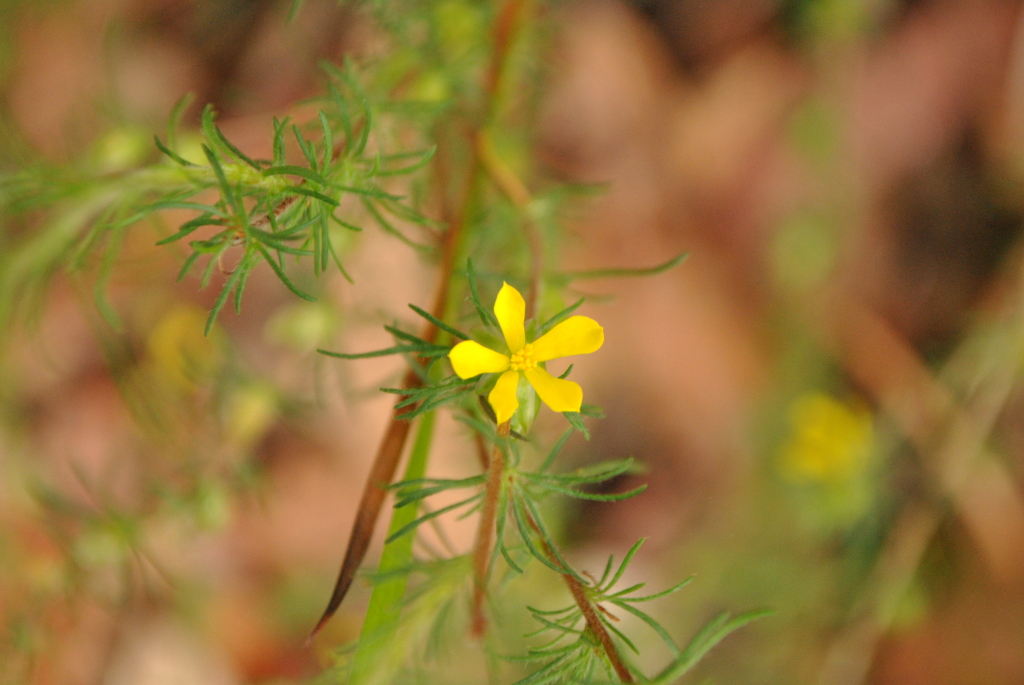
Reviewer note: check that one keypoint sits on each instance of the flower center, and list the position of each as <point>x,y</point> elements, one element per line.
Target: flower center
<point>523,359</point>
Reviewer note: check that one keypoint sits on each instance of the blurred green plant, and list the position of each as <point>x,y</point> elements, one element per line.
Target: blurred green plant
<point>429,141</point>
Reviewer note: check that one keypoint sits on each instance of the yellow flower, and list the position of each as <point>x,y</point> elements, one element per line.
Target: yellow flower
<point>575,335</point>
<point>830,442</point>
<point>180,353</point>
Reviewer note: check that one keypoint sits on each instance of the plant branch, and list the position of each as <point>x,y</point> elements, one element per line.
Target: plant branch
<point>594,624</point>
<point>485,532</point>
<point>597,628</point>
<point>385,463</point>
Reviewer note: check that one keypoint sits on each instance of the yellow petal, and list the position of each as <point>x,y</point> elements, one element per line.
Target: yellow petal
<point>510,308</point>
<point>575,335</point>
<point>469,358</point>
<point>503,397</point>
<point>561,395</point>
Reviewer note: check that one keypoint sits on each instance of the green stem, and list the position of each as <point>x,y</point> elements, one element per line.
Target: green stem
<point>376,639</point>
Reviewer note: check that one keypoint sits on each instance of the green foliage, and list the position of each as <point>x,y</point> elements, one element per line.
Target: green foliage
<point>248,211</point>
<point>573,653</point>
<point>567,277</point>
<point>270,208</point>
<point>382,616</point>
<point>380,136</point>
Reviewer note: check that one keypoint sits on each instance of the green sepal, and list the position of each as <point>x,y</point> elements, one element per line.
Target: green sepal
<point>491,340</point>
<point>529,406</point>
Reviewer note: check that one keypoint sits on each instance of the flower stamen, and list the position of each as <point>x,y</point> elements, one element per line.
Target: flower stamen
<point>523,359</point>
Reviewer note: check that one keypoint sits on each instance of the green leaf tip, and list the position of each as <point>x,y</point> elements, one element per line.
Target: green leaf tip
<point>567,277</point>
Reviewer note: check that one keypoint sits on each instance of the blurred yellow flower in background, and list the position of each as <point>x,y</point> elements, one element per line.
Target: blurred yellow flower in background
<point>829,442</point>
<point>251,411</point>
<point>179,351</point>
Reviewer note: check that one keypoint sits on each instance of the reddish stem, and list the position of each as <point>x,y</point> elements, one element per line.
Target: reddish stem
<point>485,533</point>
<point>579,594</point>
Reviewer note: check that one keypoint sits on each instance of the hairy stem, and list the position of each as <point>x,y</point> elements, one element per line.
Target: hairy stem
<point>596,627</point>
<point>579,594</point>
<point>485,533</point>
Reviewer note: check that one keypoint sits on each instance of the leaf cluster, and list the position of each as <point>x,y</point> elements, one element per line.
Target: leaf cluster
<point>271,209</point>
<point>422,354</point>
<point>522,491</point>
<point>572,653</point>
<point>326,176</point>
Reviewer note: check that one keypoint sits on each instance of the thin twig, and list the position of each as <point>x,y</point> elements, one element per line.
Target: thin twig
<point>519,195</point>
<point>440,532</point>
<point>382,472</point>
<point>596,627</point>
<point>278,210</point>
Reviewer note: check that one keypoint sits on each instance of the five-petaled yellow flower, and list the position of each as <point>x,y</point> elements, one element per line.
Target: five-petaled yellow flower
<point>575,335</point>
